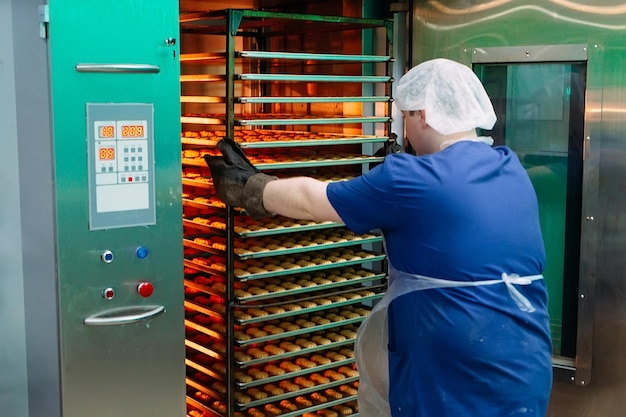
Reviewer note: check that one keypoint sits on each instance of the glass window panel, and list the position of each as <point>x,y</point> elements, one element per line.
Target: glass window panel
<point>540,108</point>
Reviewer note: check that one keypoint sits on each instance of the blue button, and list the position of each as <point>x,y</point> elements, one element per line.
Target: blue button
<point>107,256</point>
<point>142,252</point>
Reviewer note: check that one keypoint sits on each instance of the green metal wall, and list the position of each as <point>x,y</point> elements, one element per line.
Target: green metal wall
<point>135,369</point>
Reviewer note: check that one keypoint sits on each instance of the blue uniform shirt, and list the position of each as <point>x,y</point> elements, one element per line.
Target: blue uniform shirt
<point>466,213</point>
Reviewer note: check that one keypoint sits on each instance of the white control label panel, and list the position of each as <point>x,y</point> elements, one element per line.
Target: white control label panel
<point>121,164</point>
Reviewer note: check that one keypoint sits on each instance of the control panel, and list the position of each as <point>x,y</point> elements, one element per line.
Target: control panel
<point>120,140</point>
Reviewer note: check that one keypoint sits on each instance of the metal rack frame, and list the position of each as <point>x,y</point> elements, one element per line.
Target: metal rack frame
<point>232,23</point>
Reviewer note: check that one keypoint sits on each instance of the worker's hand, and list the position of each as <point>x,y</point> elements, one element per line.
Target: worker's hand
<point>237,182</point>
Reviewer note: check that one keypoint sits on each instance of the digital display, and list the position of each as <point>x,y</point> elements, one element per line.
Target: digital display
<point>106,131</point>
<point>132,131</point>
<point>106,154</point>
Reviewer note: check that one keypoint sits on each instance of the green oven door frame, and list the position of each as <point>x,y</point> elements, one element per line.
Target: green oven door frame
<point>122,54</point>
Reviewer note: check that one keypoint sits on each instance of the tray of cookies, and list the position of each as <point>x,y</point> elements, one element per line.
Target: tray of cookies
<point>199,182</point>
<point>331,402</point>
<point>287,329</point>
<point>295,160</point>
<point>282,265</point>
<point>316,304</point>
<point>317,343</point>
<point>283,244</point>
<point>206,283</point>
<point>203,202</point>
<point>297,369</point>
<point>293,328</point>
<point>246,226</point>
<point>210,263</point>
<point>211,309</point>
<point>305,283</point>
<point>320,387</point>
<point>215,349</point>
<point>204,366</point>
<point>274,370</point>
<point>266,138</point>
<point>286,264</point>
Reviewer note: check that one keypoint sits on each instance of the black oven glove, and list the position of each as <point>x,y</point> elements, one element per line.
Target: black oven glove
<point>237,182</point>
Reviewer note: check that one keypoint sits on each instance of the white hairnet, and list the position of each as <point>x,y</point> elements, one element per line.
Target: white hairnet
<point>451,94</point>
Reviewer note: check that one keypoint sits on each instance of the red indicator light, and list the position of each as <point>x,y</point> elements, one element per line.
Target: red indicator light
<point>108,293</point>
<point>130,179</point>
<point>145,289</point>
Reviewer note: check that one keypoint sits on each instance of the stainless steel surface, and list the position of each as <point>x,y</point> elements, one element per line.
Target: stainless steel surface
<point>123,68</point>
<point>530,53</point>
<point>126,315</point>
<point>73,369</point>
<point>28,276</point>
<point>453,29</point>
<point>13,356</point>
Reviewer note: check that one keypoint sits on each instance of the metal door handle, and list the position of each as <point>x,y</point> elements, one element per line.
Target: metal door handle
<point>129,68</point>
<point>124,316</point>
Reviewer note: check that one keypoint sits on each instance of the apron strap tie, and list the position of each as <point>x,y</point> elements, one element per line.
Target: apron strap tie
<point>514,279</point>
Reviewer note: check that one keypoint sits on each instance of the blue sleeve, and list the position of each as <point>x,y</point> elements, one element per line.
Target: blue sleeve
<point>371,200</point>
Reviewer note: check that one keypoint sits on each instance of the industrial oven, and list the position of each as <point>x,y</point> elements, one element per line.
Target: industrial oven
<point>95,95</point>
<point>144,295</point>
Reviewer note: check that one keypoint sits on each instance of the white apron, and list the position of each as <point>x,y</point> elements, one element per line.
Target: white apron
<point>372,338</point>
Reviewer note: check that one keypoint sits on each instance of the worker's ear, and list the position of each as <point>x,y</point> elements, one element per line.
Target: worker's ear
<point>422,118</point>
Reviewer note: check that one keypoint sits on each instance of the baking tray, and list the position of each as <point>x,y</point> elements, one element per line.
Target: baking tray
<point>304,269</point>
<point>203,329</point>
<point>288,334</point>
<point>203,349</point>
<point>318,348</point>
<point>241,301</point>
<point>242,407</point>
<point>199,184</point>
<point>311,142</point>
<point>315,309</point>
<point>295,374</point>
<point>360,159</point>
<point>291,229</point>
<point>265,232</point>
<point>277,252</point>
<point>203,206</point>
<point>322,287</point>
<point>204,369</point>
<point>203,408</point>
<point>202,268</point>
<point>203,309</point>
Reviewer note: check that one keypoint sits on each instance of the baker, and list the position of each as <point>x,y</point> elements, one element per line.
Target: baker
<point>463,329</point>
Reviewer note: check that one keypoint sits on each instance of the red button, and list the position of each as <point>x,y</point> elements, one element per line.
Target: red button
<point>108,293</point>
<point>145,289</point>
